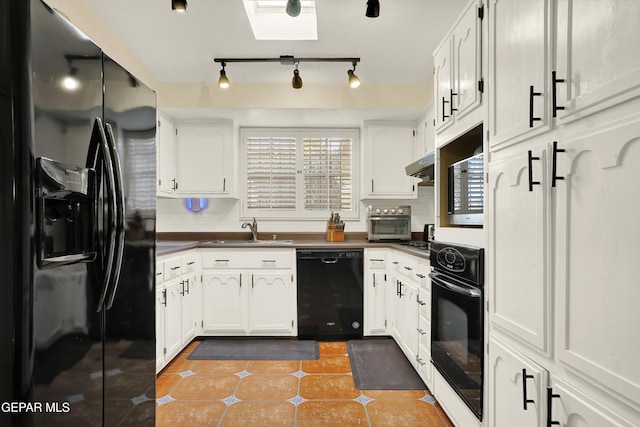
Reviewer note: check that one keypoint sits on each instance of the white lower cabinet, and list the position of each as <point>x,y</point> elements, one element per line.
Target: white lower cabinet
<point>223,307</point>
<point>190,301</point>
<point>406,306</point>
<point>172,319</point>
<point>375,310</point>
<point>570,407</point>
<point>517,388</point>
<point>259,299</point>
<point>159,325</point>
<point>270,303</point>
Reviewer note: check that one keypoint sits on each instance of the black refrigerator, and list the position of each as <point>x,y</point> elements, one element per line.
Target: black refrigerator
<point>77,228</point>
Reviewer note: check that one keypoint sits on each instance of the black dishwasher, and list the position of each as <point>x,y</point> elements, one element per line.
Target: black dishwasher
<point>330,293</point>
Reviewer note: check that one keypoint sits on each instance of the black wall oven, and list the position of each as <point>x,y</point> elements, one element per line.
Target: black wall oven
<point>457,325</point>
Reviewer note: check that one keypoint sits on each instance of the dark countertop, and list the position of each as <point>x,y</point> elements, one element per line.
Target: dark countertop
<point>168,247</point>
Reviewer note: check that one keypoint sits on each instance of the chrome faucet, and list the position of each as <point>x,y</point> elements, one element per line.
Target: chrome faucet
<point>253,227</point>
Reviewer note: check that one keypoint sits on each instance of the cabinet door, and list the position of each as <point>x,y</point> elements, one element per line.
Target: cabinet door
<point>270,303</point>
<point>172,320</point>
<point>608,29</point>
<point>167,152</point>
<point>189,318</point>
<point>425,134</point>
<point>203,158</point>
<point>387,151</point>
<point>224,306</point>
<point>410,334</point>
<point>518,236</point>
<point>160,303</point>
<point>518,48</point>
<point>596,251</point>
<point>467,63</point>
<point>397,320</point>
<point>443,87</point>
<point>507,388</point>
<point>375,303</point>
<point>572,408</point>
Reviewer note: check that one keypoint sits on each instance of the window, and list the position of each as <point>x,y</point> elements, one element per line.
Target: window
<point>299,173</point>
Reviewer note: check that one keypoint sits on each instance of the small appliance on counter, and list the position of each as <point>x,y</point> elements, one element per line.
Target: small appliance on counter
<point>385,222</point>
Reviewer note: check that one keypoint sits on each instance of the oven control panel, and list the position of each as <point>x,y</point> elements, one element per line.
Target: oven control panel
<point>451,259</point>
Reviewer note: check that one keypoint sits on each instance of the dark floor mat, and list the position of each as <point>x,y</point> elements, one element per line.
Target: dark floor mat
<point>256,350</point>
<point>379,364</point>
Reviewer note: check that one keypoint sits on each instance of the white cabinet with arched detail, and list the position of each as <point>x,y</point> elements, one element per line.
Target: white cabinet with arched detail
<point>271,302</point>
<point>596,256</point>
<point>224,306</point>
<point>519,196</point>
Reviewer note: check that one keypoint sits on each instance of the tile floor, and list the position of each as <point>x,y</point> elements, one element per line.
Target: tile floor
<point>308,393</point>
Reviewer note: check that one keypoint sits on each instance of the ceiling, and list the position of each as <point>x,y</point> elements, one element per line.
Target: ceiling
<point>397,47</point>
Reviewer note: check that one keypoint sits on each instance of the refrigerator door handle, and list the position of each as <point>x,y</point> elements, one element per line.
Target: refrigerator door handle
<point>98,145</point>
<point>120,206</point>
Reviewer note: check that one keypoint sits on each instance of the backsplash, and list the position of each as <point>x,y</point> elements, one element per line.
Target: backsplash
<point>224,215</point>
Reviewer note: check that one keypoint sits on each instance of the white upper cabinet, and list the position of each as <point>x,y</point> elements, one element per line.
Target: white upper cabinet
<point>458,70</point>
<point>425,135</point>
<point>596,55</point>
<point>443,84</point>
<point>518,70</point>
<point>167,167</point>
<point>388,148</point>
<point>205,159</point>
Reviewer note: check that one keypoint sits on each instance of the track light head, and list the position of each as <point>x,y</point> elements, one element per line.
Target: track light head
<point>293,8</point>
<point>373,9</point>
<point>354,81</point>
<point>179,5</point>
<point>296,82</point>
<point>223,81</point>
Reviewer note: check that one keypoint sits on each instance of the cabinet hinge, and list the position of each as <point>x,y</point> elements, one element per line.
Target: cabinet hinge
<point>481,12</point>
<point>176,131</point>
<point>201,278</point>
<point>292,323</point>
<point>385,323</point>
<point>414,132</point>
<point>164,351</point>
<point>202,323</point>
<point>159,123</point>
<point>481,85</point>
<point>486,180</point>
<point>160,183</point>
<point>292,278</point>
<point>385,277</point>
<point>434,122</point>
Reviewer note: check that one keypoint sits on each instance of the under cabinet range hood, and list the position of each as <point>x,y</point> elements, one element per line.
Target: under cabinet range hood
<point>423,168</point>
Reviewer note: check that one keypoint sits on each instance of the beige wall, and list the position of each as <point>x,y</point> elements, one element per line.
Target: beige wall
<point>281,95</point>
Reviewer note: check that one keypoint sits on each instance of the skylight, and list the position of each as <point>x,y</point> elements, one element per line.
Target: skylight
<point>269,21</point>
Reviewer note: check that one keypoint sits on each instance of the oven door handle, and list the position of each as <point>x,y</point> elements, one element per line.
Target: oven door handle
<point>438,280</point>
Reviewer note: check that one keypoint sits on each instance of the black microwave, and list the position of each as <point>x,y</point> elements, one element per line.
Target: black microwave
<point>465,191</point>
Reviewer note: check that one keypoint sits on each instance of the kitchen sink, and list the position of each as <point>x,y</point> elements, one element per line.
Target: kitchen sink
<point>252,242</point>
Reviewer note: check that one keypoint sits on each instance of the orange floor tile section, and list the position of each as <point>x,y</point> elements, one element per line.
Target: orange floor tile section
<point>308,393</point>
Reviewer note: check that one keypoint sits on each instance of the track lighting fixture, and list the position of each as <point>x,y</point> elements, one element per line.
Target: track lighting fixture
<point>223,81</point>
<point>373,9</point>
<point>296,81</point>
<point>179,5</point>
<point>354,81</point>
<point>293,8</point>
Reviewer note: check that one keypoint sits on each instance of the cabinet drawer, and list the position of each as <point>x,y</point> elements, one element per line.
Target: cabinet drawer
<point>424,301</point>
<point>159,272</point>
<point>424,331</point>
<point>406,266</point>
<point>376,259</point>
<point>172,268</point>
<point>190,262</point>
<point>248,258</point>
